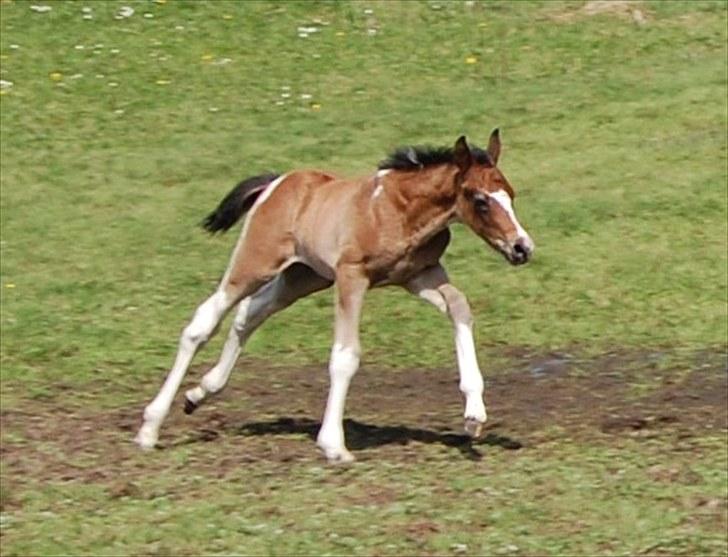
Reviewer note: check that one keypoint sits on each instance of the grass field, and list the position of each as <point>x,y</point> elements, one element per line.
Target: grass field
<point>605,357</point>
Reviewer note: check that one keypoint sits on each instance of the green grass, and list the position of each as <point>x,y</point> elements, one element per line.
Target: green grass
<point>594,500</point>
<point>119,135</point>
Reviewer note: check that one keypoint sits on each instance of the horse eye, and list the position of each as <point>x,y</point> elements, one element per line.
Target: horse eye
<point>481,203</point>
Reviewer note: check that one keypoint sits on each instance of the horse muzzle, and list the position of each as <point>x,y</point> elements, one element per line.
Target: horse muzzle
<point>520,251</point>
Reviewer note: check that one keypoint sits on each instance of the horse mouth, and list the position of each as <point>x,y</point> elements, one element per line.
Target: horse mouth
<point>516,254</point>
<point>516,259</point>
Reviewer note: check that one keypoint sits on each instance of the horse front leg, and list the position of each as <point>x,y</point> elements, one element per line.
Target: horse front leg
<point>433,285</point>
<point>350,289</point>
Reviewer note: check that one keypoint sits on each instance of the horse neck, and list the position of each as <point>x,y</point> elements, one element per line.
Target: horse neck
<point>426,199</point>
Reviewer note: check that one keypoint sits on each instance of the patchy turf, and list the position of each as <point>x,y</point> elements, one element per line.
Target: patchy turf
<point>548,397</point>
<point>624,439</point>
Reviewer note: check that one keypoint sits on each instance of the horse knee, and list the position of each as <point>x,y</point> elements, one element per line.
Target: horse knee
<point>344,362</point>
<point>457,305</point>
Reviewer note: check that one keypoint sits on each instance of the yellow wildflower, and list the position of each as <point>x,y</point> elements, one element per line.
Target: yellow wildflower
<point>56,76</point>
<point>471,60</point>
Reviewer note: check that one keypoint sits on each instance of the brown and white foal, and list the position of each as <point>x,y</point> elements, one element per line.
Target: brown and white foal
<point>308,230</point>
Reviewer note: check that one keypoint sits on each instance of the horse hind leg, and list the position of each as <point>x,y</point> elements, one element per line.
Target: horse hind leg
<point>215,379</point>
<point>206,319</point>
<point>293,283</point>
<point>252,265</point>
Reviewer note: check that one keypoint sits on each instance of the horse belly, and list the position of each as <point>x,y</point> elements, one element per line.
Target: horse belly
<point>317,263</point>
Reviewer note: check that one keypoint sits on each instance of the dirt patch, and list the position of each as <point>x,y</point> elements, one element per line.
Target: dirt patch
<point>275,417</point>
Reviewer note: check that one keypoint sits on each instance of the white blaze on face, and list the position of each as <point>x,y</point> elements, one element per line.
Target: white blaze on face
<point>504,200</point>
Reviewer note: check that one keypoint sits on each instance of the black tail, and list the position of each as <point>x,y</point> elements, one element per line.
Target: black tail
<point>237,203</point>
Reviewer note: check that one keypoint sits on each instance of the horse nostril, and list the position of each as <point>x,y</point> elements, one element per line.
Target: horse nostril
<point>521,251</point>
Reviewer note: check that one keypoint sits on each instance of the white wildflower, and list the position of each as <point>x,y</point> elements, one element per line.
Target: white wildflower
<point>149,15</point>
<point>86,10</point>
<point>79,47</point>
<point>306,96</point>
<point>14,46</point>
<point>125,11</point>
<point>371,32</point>
<point>368,11</point>
<point>285,95</point>
<point>77,76</point>
<point>40,9</point>
<point>87,16</point>
<point>5,84</point>
<point>222,61</point>
<point>305,31</point>
<point>115,51</point>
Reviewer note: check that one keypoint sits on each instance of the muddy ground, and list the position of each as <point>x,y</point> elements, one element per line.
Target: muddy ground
<point>273,414</point>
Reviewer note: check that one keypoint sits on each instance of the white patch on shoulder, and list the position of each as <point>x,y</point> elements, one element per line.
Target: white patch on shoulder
<point>380,187</point>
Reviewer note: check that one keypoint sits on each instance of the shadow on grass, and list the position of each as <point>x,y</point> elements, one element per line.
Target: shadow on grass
<point>364,436</point>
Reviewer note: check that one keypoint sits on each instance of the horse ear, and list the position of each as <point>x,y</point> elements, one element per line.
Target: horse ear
<point>462,155</point>
<point>494,146</point>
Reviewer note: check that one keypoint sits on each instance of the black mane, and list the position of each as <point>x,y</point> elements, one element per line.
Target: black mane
<point>414,158</point>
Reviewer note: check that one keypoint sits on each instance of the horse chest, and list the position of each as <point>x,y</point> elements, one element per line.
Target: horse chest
<point>398,266</point>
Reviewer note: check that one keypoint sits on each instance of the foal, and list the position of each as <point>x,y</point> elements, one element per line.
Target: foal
<point>308,230</point>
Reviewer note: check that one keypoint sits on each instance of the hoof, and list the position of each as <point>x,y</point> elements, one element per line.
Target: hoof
<point>473,427</point>
<point>146,439</point>
<point>190,406</point>
<point>338,456</point>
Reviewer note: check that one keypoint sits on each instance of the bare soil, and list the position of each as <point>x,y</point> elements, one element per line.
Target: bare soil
<point>272,414</point>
